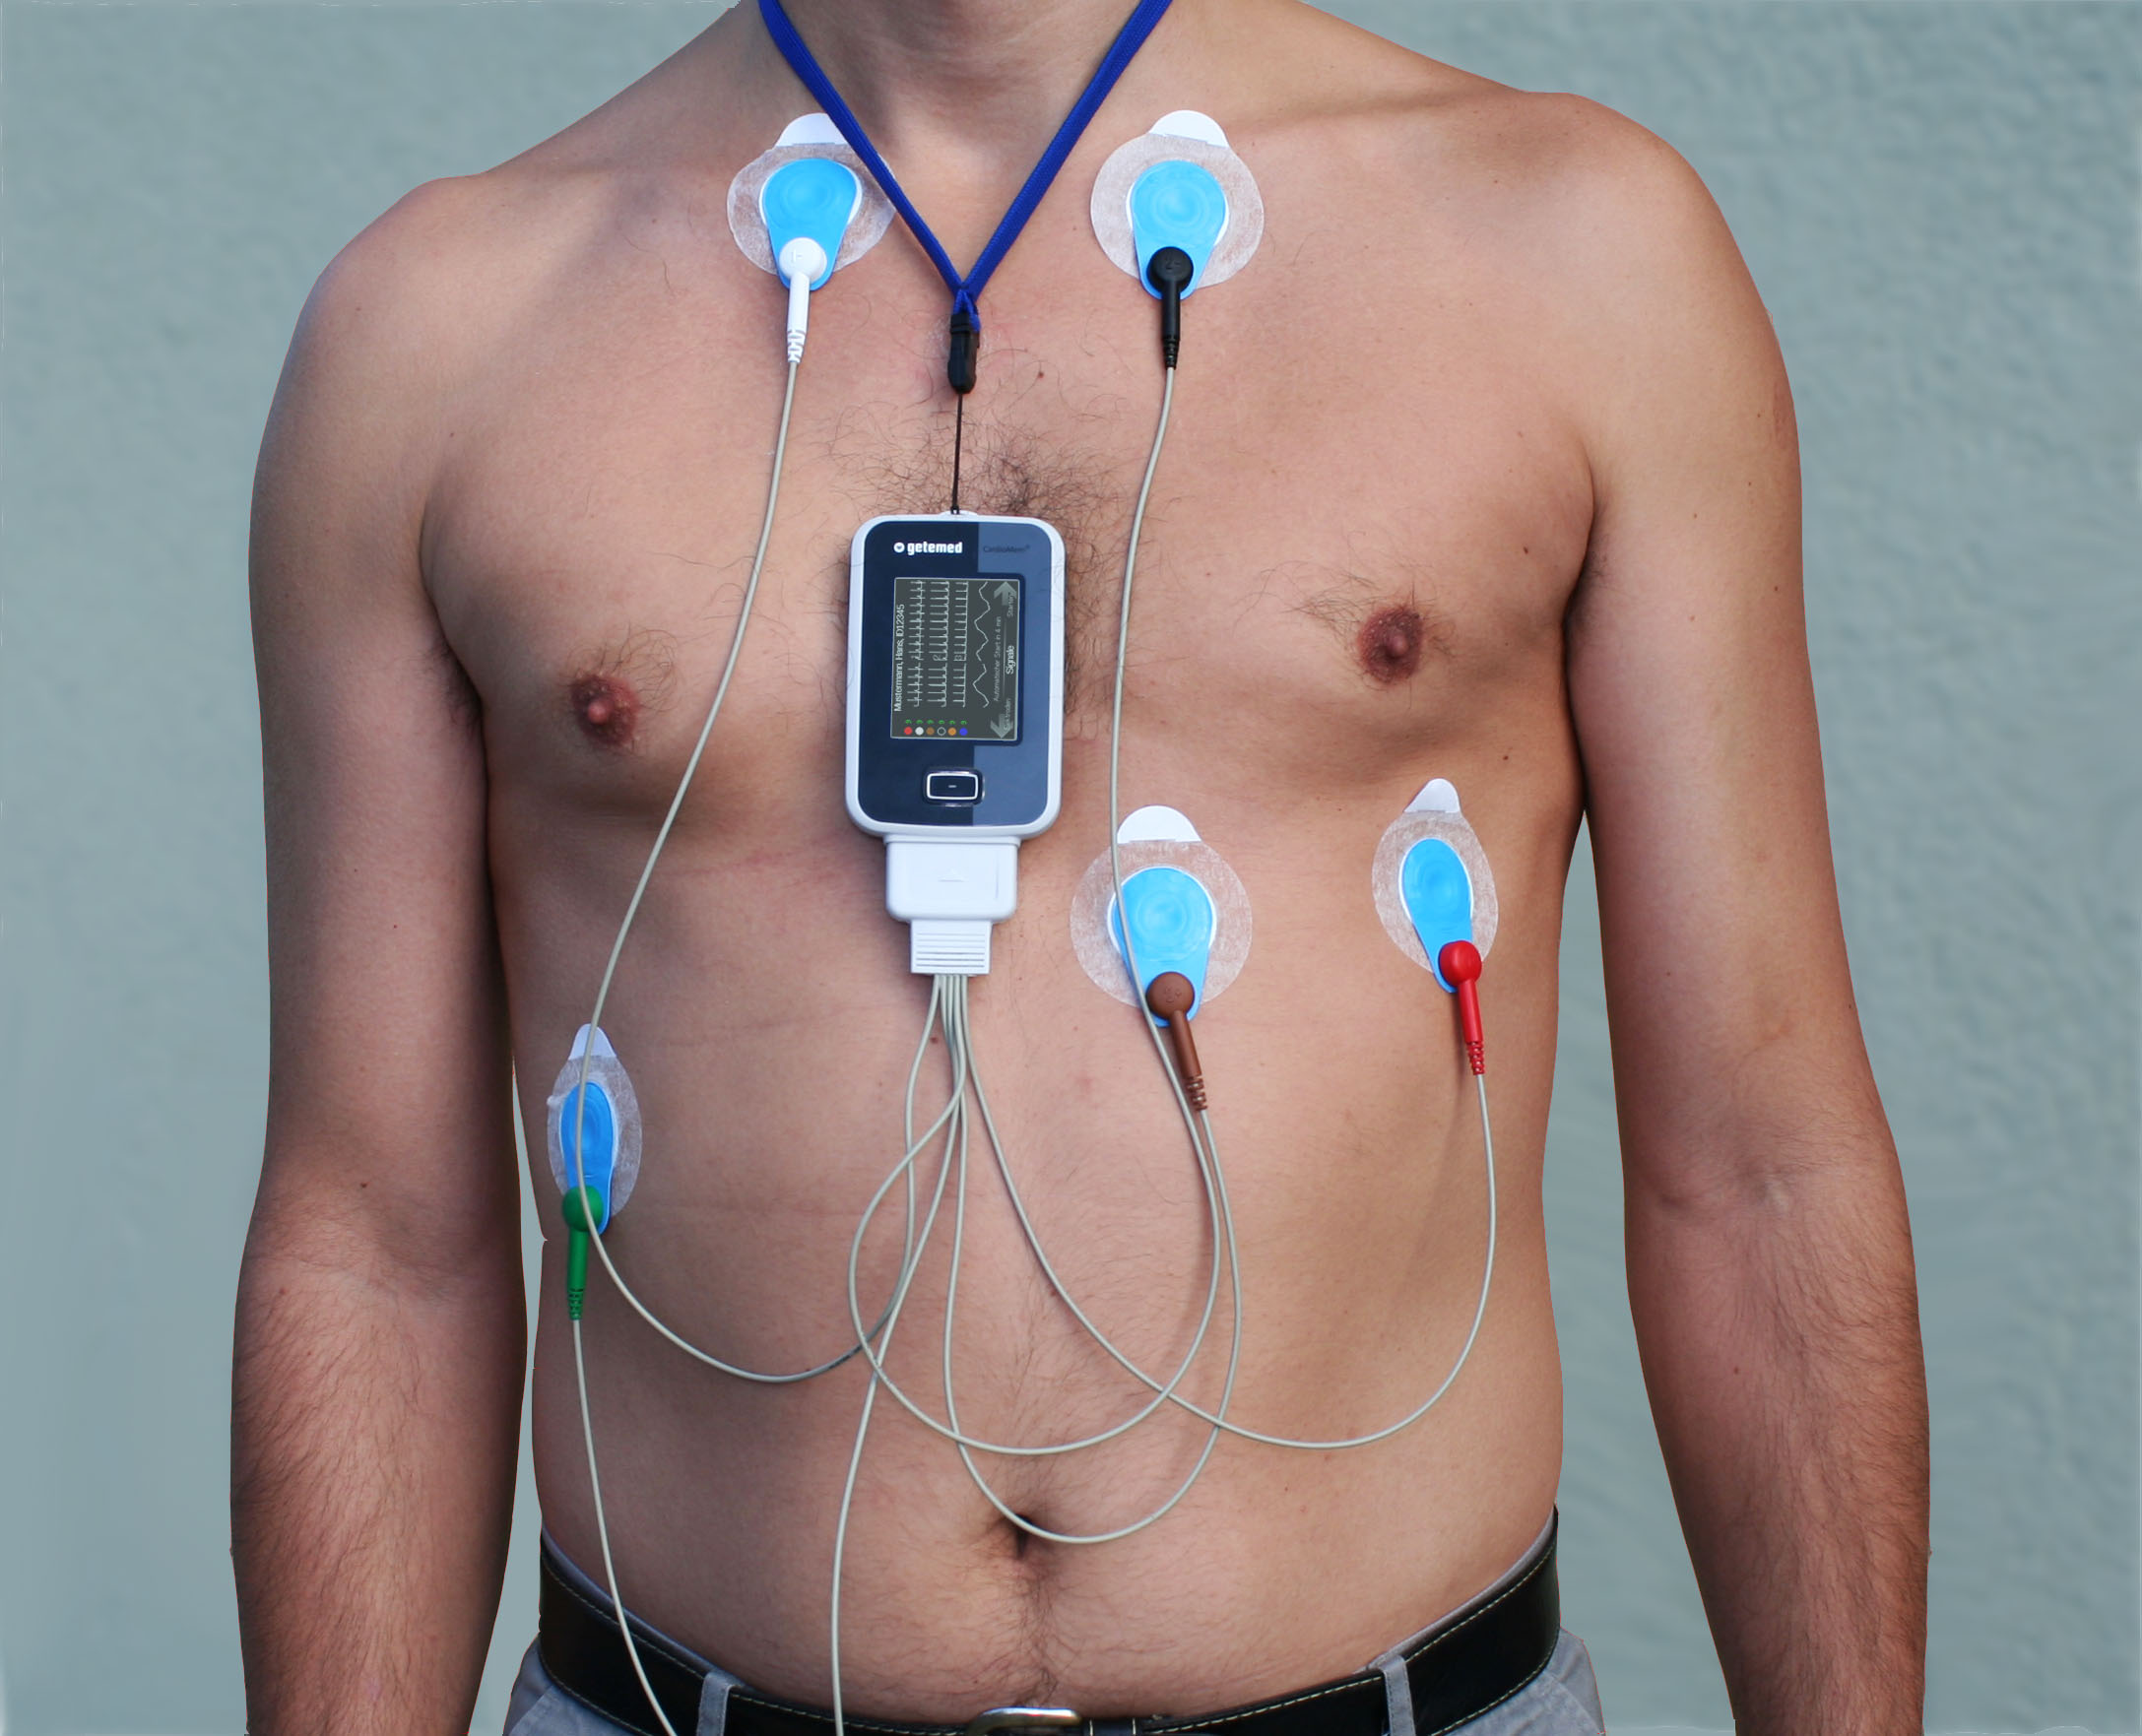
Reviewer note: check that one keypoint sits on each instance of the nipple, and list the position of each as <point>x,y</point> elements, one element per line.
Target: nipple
<point>1389,643</point>
<point>607,709</point>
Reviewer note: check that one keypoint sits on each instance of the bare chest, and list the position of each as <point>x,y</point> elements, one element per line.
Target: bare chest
<point>1350,546</point>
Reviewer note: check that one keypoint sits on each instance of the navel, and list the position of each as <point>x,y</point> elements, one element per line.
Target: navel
<point>606,707</point>
<point>1389,643</point>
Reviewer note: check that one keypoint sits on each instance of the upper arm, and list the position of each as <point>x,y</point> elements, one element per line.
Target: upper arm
<point>387,1097</point>
<point>1728,986</point>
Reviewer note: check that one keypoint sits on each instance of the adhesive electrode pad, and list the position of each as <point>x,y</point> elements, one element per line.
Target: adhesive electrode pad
<point>1171,921</point>
<point>1175,204</point>
<point>762,198</point>
<point>813,197</point>
<point>1431,880</point>
<point>1178,185</point>
<point>1188,909</point>
<point>609,1128</point>
<point>1438,894</point>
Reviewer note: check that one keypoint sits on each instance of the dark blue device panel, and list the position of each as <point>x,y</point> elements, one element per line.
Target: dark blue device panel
<point>956,710</point>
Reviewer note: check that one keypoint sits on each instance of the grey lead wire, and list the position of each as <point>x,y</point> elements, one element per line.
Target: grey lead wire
<point>945,992</point>
<point>1203,1145</point>
<point>1209,1150</point>
<point>631,913</point>
<point>1114,740</point>
<point>949,1429</point>
<point>595,1024</point>
<point>966,1075</point>
<point>948,1007</point>
<point>951,1411</point>
<point>587,1059</point>
<point>601,1534</point>
<point>1219,1420</point>
<point>911,1259</point>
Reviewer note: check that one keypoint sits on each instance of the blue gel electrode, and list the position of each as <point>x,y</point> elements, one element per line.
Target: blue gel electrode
<point>1175,204</point>
<point>812,196</point>
<point>1438,894</point>
<point>598,1137</point>
<point>1172,921</point>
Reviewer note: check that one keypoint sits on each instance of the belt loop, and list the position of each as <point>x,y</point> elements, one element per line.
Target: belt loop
<point>714,1701</point>
<point>1398,1695</point>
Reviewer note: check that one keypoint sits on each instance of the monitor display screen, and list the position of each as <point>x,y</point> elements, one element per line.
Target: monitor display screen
<point>956,658</point>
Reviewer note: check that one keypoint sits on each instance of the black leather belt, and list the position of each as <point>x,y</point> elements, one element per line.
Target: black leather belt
<point>1476,1661</point>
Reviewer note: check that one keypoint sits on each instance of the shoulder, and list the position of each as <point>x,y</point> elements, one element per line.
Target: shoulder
<point>400,336</point>
<point>415,318</point>
<point>1557,186</point>
<point>431,323</point>
<point>1592,245</point>
<point>1595,202</point>
<point>458,268</point>
<point>441,282</point>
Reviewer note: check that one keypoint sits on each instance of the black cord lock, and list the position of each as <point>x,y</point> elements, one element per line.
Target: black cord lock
<point>966,348</point>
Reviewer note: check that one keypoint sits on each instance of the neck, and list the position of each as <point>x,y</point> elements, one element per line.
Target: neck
<point>982,76</point>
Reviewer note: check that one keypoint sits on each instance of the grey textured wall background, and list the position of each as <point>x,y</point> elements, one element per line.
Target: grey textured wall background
<point>1939,201</point>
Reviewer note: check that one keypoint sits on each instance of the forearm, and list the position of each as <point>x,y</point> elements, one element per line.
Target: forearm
<point>374,1440</point>
<point>1778,1324</point>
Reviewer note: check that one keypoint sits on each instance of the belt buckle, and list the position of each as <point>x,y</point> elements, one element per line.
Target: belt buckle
<point>1000,1718</point>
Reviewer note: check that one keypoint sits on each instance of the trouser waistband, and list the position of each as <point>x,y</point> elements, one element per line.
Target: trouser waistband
<point>1468,1662</point>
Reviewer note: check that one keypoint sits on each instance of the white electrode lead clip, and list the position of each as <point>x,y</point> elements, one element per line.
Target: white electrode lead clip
<point>803,263</point>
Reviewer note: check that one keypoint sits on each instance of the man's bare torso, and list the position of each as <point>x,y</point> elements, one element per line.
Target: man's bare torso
<point>1369,523</point>
<point>1483,468</point>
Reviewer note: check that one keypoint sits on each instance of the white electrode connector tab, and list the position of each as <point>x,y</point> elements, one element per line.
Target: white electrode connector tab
<point>950,892</point>
<point>802,262</point>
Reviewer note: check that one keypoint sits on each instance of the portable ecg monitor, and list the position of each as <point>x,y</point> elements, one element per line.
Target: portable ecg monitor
<point>955,675</point>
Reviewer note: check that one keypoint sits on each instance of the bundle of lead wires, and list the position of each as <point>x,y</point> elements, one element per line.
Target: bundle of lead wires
<point>948,1135</point>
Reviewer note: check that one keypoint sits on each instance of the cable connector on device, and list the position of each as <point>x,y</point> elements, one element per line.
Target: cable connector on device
<point>950,892</point>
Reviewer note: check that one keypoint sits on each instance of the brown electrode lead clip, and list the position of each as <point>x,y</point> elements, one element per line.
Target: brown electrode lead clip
<point>1170,999</point>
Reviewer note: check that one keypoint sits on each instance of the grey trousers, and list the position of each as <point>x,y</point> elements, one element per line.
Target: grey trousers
<point>1563,1700</point>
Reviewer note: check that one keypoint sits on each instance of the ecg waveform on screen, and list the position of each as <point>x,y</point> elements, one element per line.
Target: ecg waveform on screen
<point>956,658</point>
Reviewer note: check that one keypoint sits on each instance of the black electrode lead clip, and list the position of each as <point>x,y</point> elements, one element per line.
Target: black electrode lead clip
<point>1169,271</point>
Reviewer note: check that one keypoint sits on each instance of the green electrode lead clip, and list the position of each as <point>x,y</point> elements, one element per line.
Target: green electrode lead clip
<point>583,1207</point>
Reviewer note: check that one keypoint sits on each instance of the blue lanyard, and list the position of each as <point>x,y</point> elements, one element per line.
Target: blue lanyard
<point>966,329</point>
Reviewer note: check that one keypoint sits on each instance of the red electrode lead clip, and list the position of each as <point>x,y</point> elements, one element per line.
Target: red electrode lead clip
<point>1459,963</point>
